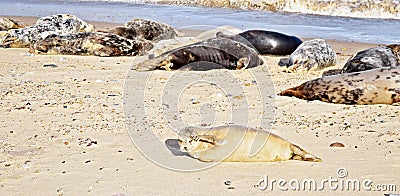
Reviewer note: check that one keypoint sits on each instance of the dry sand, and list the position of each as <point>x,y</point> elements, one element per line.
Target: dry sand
<point>63,130</point>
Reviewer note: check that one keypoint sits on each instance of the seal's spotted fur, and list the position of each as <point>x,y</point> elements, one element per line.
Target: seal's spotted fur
<point>7,24</point>
<point>61,24</point>
<point>313,54</point>
<point>383,56</point>
<point>146,29</point>
<point>92,43</point>
<point>376,86</point>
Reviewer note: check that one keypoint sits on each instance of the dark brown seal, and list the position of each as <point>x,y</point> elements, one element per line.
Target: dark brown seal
<point>215,53</point>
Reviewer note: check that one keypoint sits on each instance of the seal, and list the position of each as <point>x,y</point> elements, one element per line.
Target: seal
<point>64,19</point>
<point>7,24</point>
<point>91,43</point>
<point>61,24</point>
<point>234,143</point>
<point>145,29</point>
<point>267,42</point>
<point>311,55</point>
<point>376,86</point>
<point>214,53</point>
<point>372,58</point>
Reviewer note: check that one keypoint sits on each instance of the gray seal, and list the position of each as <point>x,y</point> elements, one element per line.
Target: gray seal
<point>375,86</point>
<point>311,55</point>
<point>372,58</point>
<point>146,29</point>
<point>61,24</point>
<point>267,42</point>
<point>214,53</point>
<point>91,43</point>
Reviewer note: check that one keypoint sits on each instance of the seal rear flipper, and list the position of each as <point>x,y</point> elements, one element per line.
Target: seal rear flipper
<point>284,62</point>
<point>295,92</point>
<point>300,154</point>
<point>332,72</point>
<point>147,65</point>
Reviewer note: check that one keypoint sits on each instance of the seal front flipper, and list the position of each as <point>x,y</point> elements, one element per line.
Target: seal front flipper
<point>302,155</point>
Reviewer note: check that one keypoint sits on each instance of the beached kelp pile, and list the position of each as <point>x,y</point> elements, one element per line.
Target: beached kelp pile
<point>350,8</point>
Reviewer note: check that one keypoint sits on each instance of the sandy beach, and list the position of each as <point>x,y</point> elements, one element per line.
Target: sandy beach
<point>63,130</point>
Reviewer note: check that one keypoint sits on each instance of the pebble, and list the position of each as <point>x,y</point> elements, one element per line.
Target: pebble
<point>50,65</point>
<point>337,144</point>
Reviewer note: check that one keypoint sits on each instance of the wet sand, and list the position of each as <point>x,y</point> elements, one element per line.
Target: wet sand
<point>63,131</point>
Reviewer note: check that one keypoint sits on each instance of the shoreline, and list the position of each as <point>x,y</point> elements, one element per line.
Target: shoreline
<point>373,31</point>
<point>351,46</point>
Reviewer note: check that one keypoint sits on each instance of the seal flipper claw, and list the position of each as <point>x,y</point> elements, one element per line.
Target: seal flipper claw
<point>302,155</point>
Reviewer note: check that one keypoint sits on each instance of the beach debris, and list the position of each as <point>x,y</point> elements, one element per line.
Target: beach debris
<point>337,144</point>
<point>311,55</point>
<point>87,142</point>
<point>50,65</point>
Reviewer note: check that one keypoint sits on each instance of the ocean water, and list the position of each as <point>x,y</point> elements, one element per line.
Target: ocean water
<point>367,30</point>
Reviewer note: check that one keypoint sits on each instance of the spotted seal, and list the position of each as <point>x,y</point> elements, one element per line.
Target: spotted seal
<point>267,42</point>
<point>91,43</point>
<point>377,57</point>
<point>376,86</point>
<point>146,29</point>
<point>311,55</point>
<point>61,24</point>
<point>234,143</point>
<point>214,53</point>
<point>7,24</point>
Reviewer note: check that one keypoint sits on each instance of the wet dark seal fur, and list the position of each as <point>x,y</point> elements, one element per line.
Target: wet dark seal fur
<point>267,42</point>
<point>61,24</point>
<point>376,86</point>
<point>146,29</point>
<point>372,58</point>
<point>214,53</point>
<point>91,43</point>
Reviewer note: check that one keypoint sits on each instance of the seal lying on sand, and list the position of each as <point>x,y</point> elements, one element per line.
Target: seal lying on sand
<point>215,53</point>
<point>267,42</point>
<point>311,55</point>
<point>7,24</point>
<point>146,29</point>
<point>376,86</point>
<point>61,24</point>
<point>383,56</point>
<point>91,43</point>
<point>239,144</point>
